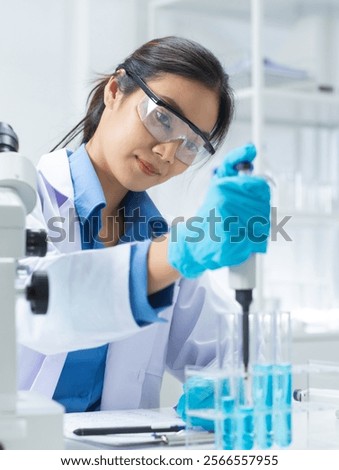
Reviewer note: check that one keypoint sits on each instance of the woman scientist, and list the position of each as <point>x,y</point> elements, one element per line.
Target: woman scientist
<point>127,297</point>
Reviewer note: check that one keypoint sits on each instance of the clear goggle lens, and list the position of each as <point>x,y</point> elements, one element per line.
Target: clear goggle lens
<point>165,126</point>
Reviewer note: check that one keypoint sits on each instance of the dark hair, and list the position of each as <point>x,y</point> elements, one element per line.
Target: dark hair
<point>170,54</point>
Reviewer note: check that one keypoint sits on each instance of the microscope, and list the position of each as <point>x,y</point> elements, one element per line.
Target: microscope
<point>27,420</point>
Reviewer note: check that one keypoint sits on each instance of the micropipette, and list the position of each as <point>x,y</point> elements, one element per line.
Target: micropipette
<point>242,278</point>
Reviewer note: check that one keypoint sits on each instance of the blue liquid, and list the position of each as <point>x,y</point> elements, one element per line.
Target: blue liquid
<point>244,417</point>
<point>229,424</point>
<point>240,390</point>
<point>282,384</point>
<point>245,428</point>
<point>262,394</point>
<point>225,388</point>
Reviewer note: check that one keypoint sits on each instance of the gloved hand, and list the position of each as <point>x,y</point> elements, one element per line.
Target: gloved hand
<point>198,395</point>
<point>232,223</point>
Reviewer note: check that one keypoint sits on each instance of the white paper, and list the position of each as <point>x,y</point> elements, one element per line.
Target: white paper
<point>163,417</point>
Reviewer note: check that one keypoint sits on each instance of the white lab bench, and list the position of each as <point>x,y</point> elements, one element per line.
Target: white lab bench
<point>314,430</point>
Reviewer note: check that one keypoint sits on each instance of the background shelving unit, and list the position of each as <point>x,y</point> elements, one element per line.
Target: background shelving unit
<point>258,102</point>
<point>295,128</point>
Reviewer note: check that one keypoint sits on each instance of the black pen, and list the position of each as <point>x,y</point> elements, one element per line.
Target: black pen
<point>125,430</point>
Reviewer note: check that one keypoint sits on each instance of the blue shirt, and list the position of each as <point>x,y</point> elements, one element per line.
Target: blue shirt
<point>80,384</point>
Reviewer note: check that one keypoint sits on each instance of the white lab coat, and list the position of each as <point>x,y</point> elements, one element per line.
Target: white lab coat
<point>89,306</point>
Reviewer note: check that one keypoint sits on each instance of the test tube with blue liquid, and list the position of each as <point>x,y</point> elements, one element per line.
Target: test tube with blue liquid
<point>209,397</point>
<point>255,406</point>
<point>226,358</point>
<point>237,415</point>
<point>262,328</point>
<point>282,380</point>
<point>272,378</point>
<point>238,422</point>
<point>245,425</point>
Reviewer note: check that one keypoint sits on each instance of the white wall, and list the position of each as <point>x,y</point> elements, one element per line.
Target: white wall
<point>50,50</point>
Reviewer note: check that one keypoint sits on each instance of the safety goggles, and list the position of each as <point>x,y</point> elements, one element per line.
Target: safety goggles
<point>165,124</point>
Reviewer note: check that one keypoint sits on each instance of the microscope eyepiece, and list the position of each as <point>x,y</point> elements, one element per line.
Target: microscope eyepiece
<point>9,141</point>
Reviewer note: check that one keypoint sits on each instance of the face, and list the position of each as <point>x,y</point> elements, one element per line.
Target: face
<point>123,150</point>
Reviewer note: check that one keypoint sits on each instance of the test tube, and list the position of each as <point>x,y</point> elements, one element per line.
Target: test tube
<point>282,379</point>
<point>245,433</point>
<point>237,414</point>
<point>228,423</point>
<point>228,356</point>
<point>261,327</point>
<point>237,407</point>
<point>227,344</point>
<point>209,390</point>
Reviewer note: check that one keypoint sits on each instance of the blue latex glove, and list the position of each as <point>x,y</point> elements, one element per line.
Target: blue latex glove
<point>246,153</point>
<point>232,223</point>
<point>198,394</point>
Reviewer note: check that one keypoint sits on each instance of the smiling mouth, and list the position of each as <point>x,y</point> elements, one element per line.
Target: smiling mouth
<point>146,167</point>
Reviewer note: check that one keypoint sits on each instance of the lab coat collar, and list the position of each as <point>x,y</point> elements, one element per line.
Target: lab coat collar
<point>88,194</point>
<point>55,170</point>
<point>73,179</point>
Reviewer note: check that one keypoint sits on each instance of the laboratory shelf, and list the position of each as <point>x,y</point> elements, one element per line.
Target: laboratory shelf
<point>275,11</point>
<point>321,337</point>
<point>309,218</point>
<point>291,107</point>
<point>316,97</point>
